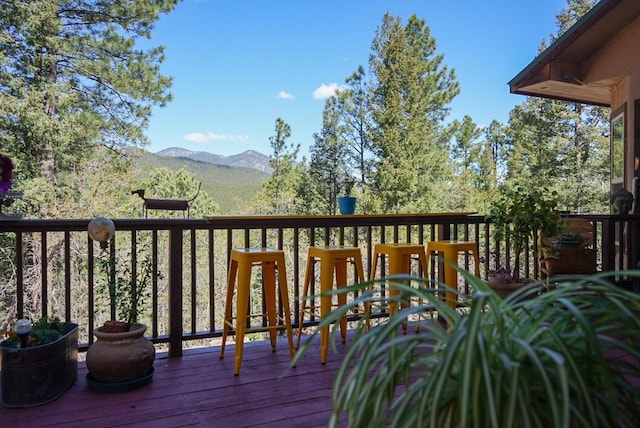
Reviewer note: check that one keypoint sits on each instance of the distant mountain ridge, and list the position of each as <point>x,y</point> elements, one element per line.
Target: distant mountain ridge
<point>232,187</point>
<point>246,159</point>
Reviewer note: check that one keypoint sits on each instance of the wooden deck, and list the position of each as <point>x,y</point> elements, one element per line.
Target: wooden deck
<point>199,389</point>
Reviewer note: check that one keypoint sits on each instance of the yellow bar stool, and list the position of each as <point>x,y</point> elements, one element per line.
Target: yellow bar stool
<point>241,264</point>
<point>399,257</point>
<point>332,259</point>
<point>450,250</point>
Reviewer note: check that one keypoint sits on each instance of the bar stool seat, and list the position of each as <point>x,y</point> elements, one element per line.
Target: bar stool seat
<point>332,259</point>
<point>400,256</point>
<point>450,250</point>
<point>241,263</point>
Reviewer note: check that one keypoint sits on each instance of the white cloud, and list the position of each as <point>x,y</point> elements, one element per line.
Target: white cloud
<point>198,137</point>
<point>285,95</point>
<point>326,91</point>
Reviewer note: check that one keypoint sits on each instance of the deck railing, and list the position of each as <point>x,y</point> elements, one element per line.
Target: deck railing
<point>48,267</point>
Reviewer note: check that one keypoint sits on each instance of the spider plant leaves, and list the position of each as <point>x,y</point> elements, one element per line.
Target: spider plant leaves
<point>561,358</point>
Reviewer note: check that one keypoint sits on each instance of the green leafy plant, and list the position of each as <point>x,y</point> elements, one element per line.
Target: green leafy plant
<point>530,360</point>
<point>569,238</point>
<point>43,331</point>
<point>520,214</point>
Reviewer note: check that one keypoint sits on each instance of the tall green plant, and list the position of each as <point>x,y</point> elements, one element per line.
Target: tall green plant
<point>126,287</point>
<point>521,213</point>
<point>530,360</point>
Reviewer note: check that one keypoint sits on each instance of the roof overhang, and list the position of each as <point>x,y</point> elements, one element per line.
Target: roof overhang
<point>556,73</point>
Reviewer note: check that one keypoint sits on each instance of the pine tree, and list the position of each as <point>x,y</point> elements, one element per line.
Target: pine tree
<point>466,151</point>
<point>327,166</point>
<point>280,192</point>
<point>72,77</point>
<point>411,89</point>
<point>353,105</point>
<point>561,145</point>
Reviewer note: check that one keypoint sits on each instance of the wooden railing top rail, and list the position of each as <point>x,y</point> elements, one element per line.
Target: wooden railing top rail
<point>258,221</point>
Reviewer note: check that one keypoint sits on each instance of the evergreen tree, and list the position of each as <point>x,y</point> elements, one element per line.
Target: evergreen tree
<point>497,149</point>
<point>327,166</point>
<point>280,192</point>
<point>355,116</point>
<point>562,145</point>
<point>411,89</point>
<point>72,77</point>
<point>466,152</point>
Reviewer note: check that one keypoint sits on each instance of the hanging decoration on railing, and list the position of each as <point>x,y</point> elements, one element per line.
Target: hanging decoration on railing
<point>101,229</point>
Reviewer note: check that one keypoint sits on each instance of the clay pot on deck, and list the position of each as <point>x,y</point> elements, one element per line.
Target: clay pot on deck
<point>120,357</point>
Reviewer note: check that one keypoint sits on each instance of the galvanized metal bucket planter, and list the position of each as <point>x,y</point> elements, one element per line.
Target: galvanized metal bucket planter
<point>39,374</point>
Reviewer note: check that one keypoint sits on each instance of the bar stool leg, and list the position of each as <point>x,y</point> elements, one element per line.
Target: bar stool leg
<point>305,294</point>
<point>341,281</point>
<point>231,282</point>
<point>422,257</point>
<point>367,305</point>
<point>451,276</point>
<point>244,283</point>
<point>398,265</point>
<point>269,284</point>
<point>326,280</point>
<point>284,298</point>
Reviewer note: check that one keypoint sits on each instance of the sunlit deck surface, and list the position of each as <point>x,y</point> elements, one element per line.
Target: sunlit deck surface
<point>199,389</point>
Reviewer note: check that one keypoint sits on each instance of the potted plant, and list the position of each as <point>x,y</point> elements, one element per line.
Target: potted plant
<point>39,361</point>
<point>519,215</point>
<point>347,202</point>
<point>121,358</point>
<point>565,358</point>
<point>568,239</point>
<point>567,253</point>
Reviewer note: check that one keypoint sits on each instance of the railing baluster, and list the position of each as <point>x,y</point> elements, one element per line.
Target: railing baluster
<point>19,260</point>
<point>212,280</point>
<point>154,283</point>
<point>175,292</point>
<point>44,279</point>
<point>194,279</point>
<point>67,276</point>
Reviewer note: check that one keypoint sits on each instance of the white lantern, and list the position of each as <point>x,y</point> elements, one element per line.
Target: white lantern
<point>101,229</point>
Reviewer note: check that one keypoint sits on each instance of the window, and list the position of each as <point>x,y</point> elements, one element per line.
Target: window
<point>617,149</point>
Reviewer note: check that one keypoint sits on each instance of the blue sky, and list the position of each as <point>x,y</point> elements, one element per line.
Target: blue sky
<point>237,65</point>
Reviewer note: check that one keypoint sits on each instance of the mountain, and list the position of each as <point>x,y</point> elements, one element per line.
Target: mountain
<point>246,159</point>
<point>232,187</point>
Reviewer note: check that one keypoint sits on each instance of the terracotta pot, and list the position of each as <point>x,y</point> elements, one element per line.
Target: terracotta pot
<point>120,357</point>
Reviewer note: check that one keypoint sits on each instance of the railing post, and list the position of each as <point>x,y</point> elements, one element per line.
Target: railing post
<point>175,292</point>
<point>634,238</point>
<point>608,245</point>
<point>444,232</point>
